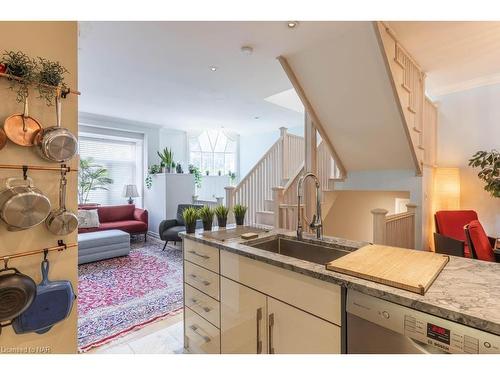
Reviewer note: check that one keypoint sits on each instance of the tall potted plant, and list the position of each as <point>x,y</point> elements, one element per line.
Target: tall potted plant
<point>207,216</point>
<point>91,177</point>
<point>489,173</point>
<point>190,216</point>
<point>221,213</point>
<point>167,158</point>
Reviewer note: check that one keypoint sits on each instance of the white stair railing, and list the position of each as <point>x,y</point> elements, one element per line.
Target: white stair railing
<point>271,170</point>
<point>394,230</point>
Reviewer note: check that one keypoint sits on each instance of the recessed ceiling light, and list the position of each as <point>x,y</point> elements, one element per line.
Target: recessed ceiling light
<point>292,24</point>
<point>213,68</point>
<point>247,50</point>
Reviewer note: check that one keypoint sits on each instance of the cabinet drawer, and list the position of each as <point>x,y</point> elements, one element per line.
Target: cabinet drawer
<point>318,297</point>
<point>200,336</point>
<point>202,255</point>
<point>203,305</point>
<point>202,279</point>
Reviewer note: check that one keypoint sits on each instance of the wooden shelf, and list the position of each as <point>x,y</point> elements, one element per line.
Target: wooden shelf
<point>63,92</point>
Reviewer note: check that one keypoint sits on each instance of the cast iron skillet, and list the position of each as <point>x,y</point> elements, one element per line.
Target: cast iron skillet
<point>17,292</point>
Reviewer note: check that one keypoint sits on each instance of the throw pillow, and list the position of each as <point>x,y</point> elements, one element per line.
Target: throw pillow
<point>88,219</point>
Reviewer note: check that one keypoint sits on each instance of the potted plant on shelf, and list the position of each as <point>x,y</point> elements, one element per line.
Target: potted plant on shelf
<point>178,168</point>
<point>207,173</point>
<point>207,216</point>
<point>232,177</point>
<point>239,213</point>
<point>154,169</point>
<point>190,216</point>
<point>489,163</point>
<point>51,73</point>
<point>91,177</point>
<point>221,213</point>
<point>166,157</point>
<point>22,66</point>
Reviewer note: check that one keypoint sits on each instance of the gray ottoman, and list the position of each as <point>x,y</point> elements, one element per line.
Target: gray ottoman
<point>107,244</point>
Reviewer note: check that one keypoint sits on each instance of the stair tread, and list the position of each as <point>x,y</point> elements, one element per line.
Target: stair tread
<point>265,212</point>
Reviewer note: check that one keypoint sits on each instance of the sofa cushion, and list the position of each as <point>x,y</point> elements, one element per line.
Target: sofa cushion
<point>131,226</point>
<point>116,213</point>
<point>102,238</point>
<point>88,219</point>
<point>480,242</point>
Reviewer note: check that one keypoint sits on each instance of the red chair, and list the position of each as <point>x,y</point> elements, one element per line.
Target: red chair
<point>450,236</point>
<point>479,243</point>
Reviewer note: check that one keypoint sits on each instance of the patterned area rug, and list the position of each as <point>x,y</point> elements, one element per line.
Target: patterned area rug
<point>119,295</point>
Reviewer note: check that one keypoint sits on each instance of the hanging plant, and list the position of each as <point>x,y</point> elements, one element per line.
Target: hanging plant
<point>50,73</point>
<point>22,66</point>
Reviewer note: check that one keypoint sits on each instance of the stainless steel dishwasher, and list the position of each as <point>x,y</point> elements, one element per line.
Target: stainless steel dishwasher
<point>377,326</point>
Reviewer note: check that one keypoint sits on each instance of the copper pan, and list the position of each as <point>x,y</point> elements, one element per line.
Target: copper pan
<point>22,128</point>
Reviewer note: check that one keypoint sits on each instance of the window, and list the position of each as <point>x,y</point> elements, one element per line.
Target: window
<point>213,151</point>
<point>121,156</point>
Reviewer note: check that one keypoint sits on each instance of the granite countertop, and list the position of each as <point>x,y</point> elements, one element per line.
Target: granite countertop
<point>466,291</point>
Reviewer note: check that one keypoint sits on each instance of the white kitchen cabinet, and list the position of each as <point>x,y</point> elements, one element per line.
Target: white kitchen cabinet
<point>293,331</point>
<point>243,319</point>
<point>253,323</point>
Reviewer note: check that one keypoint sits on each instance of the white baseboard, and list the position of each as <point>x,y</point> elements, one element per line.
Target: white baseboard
<point>154,235</point>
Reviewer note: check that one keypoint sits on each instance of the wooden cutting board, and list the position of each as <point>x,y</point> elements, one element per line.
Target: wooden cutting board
<point>411,270</point>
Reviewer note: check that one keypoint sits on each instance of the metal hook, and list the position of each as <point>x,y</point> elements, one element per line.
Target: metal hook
<point>61,243</point>
<point>6,262</point>
<point>45,254</point>
<point>25,172</point>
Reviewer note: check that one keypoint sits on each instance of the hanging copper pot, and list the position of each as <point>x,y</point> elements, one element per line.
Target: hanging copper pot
<point>21,128</point>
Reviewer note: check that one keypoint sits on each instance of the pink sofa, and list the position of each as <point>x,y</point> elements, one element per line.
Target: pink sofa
<point>127,218</point>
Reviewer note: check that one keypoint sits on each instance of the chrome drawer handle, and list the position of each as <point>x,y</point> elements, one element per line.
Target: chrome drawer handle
<point>259,340</point>
<point>196,302</point>
<point>198,254</point>
<point>196,278</point>
<point>195,329</point>
<point>271,336</point>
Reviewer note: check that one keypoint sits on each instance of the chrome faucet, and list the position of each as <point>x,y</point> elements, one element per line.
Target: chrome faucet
<point>316,222</point>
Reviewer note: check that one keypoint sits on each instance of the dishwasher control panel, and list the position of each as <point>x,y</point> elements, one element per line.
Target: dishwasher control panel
<point>441,334</point>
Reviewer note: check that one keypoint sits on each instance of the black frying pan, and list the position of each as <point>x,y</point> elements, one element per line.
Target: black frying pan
<point>17,292</point>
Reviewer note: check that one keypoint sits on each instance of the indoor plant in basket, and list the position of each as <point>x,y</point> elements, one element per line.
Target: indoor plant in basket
<point>239,213</point>
<point>221,213</point>
<point>190,216</point>
<point>207,216</point>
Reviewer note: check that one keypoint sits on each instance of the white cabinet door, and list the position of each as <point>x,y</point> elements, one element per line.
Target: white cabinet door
<point>293,331</point>
<point>243,319</point>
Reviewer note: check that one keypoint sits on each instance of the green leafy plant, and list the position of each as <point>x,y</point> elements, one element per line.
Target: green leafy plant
<point>167,158</point>
<point>194,170</point>
<point>153,169</point>
<point>91,177</point>
<point>190,215</point>
<point>178,168</point>
<point>232,177</point>
<point>20,65</point>
<point>489,164</point>
<point>207,216</point>
<point>239,213</point>
<point>221,212</point>
<point>50,73</point>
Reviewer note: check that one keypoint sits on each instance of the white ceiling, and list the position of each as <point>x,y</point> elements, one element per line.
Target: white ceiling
<point>456,55</point>
<point>159,72</point>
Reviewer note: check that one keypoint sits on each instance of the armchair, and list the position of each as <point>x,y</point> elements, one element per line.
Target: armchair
<point>169,229</point>
<point>480,244</point>
<point>449,237</point>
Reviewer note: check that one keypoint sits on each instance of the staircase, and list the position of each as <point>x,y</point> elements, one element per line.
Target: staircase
<point>272,183</point>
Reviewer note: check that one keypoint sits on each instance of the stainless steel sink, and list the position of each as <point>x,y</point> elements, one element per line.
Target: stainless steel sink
<point>300,250</point>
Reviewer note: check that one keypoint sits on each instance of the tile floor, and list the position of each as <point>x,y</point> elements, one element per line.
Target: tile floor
<point>163,337</point>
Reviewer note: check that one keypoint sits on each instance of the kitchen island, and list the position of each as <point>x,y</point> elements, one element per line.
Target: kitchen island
<point>465,291</point>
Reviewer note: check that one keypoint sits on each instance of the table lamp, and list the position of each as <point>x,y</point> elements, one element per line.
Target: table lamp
<point>131,192</point>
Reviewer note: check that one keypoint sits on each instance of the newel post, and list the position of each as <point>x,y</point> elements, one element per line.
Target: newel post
<point>379,227</point>
<point>230,202</point>
<point>412,208</point>
<point>284,153</point>
<point>278,195</point>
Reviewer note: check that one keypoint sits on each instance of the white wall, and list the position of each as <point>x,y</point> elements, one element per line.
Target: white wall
<point>177,141</point>
<point>389,180</point>
<point>470,121</point>
<point>253,146</point>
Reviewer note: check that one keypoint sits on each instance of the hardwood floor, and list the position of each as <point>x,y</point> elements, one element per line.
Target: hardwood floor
<point>163,337</point>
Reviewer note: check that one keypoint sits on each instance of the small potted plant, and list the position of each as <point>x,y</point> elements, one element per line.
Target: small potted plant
<point>219,173</point>
<point>239,213</point>
<point>20,65</point>
<point>190,216</point>
<point>207,216</point>
<point>194,170</point>
<point>51,73</point>
<point>154,169</point>
<point>221,213</point>
<point>178,168</point>
<point>207,173</point>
